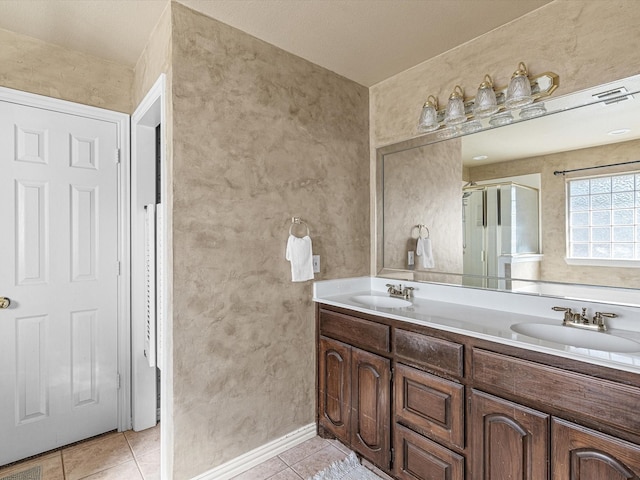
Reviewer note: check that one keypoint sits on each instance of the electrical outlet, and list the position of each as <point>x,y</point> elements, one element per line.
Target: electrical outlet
<point>410,258</point>
<point>316,264</point>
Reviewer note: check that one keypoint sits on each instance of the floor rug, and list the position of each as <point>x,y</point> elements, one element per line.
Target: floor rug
<point>30,474</point>
<point>347,469</point>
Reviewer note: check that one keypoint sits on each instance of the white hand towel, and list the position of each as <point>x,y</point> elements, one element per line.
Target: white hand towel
<point>299,253</point>
<point>423,249</point>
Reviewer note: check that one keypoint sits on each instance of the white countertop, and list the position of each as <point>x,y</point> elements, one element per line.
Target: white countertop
<point>487,315</point>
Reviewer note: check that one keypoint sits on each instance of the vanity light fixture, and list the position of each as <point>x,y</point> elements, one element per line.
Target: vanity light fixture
<point>491,107</point>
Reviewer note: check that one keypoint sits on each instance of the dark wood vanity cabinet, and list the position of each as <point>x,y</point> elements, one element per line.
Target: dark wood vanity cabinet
<point>429,423</point>
<point>429,410</point>
<point>458,408</point>
<point>354,401</point>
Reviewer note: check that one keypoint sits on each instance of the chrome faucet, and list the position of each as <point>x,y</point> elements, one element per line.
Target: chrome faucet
<point>399,291</point>
<point>580,320</point>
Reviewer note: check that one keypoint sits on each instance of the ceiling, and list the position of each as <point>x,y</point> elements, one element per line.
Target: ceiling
<point>364,40</point>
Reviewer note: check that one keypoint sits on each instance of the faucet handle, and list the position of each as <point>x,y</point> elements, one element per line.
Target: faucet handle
<point>394,289</point>
<point>568,313</point>
<point>407,291</point>
<point>598,317</point>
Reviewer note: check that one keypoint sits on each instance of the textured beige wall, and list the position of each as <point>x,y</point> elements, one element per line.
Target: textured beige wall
<point>38,67</point>
<point>586,42</point>
<point>422,186</point>
<point>155,58</point>
<point>259,136</point>
<point>553,199</point>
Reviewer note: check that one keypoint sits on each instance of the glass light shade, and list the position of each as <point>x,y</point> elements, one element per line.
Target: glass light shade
<point>485,103</point>
<point>533,110</point>
<point>448,132</point>
<point>429,115</point>
<point>471,127</point>
<point>519,90</point>
<point>454,113</point>
<point>502,118</point>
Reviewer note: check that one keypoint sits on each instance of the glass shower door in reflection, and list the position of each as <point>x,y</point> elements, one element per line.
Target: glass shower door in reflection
<point>500,224</point>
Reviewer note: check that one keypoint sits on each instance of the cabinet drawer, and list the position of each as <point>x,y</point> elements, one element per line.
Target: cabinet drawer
<point>419,458</point>
<point>430,404</point>
<point>355,331</point>
<point>594,399</point>
<point>429,352</point>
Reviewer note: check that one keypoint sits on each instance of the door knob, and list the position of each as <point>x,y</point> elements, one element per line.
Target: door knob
<point>5,302</point>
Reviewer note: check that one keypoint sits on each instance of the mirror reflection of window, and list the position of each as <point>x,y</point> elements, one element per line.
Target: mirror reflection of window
<point>604,217</point>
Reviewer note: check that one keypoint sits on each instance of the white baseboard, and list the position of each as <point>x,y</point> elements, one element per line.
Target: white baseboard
<point>261,454</point>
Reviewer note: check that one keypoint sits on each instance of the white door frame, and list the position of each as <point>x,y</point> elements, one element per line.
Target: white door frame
<point>121,121</point>
<point>154,103</point>
<point>149,114</point>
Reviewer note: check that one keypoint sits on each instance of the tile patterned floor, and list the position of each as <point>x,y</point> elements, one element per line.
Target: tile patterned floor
<point>300,462</point>
<point>114,456</point>
<point>136,456</point>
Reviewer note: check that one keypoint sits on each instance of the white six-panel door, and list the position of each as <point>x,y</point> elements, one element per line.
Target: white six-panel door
<point>59,266</point>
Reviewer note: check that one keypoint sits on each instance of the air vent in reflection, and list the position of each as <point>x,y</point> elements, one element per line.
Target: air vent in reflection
<point>615,95</point>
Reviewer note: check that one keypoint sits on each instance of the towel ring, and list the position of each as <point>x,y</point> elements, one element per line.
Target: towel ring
<point>297,221</point>
<point>420,228</point>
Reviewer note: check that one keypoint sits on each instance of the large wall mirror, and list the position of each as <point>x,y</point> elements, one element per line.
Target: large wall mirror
<point>494,205</point>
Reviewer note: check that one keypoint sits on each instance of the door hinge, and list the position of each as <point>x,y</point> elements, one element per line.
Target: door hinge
<point>117,381</point>
<point>117,155</point>
<point>119,267</point>
<point>393,458</point>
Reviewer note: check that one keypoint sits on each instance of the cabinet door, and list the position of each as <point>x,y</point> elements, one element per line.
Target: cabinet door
<point>371,406</point>
<point>583,454</point>
<point>334,387</point>
<point>507,440</point>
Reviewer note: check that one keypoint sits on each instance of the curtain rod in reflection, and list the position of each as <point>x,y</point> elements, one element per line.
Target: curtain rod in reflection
<point>562,172</point>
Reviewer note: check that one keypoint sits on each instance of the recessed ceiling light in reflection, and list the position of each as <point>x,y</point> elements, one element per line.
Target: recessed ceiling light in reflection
<point>619,131</point>
<point>480,157</point>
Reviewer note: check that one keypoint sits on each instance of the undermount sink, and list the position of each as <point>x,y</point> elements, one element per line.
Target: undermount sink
<point>381,301</point>
<point>577,338</point>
